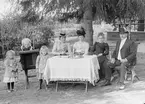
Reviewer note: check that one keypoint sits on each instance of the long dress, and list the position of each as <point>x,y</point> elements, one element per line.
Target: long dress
<point>40,65</point>
<point>11,71</point>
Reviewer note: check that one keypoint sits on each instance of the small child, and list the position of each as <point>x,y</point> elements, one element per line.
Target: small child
<point>26,44</point>
<point>41,63</point>
<point>11,70</point>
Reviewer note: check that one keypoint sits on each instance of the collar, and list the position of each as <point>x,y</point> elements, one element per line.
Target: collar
<point>124,39</point>
<point>100,42</point>
<point>80,41</point>
<point>61,42</point>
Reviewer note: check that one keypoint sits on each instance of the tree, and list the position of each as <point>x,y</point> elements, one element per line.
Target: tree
<point>88,10</point>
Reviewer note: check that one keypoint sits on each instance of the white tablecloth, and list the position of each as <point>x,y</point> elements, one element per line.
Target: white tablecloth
<point>67,69</point>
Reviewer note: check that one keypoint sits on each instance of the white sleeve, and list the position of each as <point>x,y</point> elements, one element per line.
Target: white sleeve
<point>86,48</point>
<point>74,47</point>
<point>54,47</point>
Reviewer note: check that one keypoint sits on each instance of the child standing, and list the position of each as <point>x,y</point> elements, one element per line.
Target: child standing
<point>41,63</point>
<point>11,70</point>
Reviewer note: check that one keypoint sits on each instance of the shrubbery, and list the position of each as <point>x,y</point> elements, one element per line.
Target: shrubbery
<point>38,34</point>
<point>11,36</point>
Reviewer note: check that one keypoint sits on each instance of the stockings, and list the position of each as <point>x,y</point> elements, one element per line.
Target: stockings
<point>40,84</point>
<point>10,86</point>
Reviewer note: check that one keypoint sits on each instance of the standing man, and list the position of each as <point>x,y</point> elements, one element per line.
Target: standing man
<point>124,54</point>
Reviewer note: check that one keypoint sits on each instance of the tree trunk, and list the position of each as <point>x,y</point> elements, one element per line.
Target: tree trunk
<point>87,23</point>
<point>140,25</point>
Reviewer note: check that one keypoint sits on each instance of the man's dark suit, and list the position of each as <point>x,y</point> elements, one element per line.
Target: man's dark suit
<point>104,49</point>
<point>127,51</point>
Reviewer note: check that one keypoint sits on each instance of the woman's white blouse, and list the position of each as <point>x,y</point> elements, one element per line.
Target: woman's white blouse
<point>60,47</point>
<point>82,47</point>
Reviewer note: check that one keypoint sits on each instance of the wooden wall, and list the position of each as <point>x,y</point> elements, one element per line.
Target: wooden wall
<point>113,36</point>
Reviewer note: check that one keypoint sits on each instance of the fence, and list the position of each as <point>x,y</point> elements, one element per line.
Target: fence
<point>136,36</point>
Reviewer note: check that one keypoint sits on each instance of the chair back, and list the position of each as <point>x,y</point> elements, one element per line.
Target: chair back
<point>140,54</point>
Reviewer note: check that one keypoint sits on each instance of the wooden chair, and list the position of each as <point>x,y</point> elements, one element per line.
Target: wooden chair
<point>28,61</point>
<point>130,69</point>
<point>131,72</point>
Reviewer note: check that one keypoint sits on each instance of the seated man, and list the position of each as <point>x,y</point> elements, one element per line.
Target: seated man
<point>124,54</point>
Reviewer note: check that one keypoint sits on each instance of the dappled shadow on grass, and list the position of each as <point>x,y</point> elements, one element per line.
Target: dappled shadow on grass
<point>67,93</point>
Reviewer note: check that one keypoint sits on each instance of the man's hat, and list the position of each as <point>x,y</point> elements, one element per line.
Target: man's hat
<point>123,30</point>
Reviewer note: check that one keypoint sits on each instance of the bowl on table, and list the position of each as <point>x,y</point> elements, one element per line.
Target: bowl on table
<point>78,55</point>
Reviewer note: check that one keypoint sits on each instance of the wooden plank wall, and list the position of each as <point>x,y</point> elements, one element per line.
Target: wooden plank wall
<point>113,36</point>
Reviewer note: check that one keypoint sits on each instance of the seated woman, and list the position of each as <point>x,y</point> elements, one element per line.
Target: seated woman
<point>61,46</point>
<point>81,47</point>
<point>101,49</point>
<point>26,44</point>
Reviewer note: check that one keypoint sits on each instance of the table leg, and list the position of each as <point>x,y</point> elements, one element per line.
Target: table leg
<point>26,78</point>
<point>86,90</point>
<point>56,86</point>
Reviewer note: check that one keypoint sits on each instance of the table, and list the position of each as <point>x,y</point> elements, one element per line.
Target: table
<point>28,61</point>
<point>70,69</point>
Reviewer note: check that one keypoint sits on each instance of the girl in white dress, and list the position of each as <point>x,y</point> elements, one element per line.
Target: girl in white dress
<point>11,70</point>
<point>41,63</point>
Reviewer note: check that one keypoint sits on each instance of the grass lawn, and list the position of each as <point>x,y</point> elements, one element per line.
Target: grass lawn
<point>68,94</point>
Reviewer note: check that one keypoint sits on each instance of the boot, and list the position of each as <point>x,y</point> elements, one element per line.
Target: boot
<point>40,84</point>
<point>46,85</point>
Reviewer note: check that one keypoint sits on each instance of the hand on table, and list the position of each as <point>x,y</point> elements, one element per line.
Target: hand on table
<point>99,55</point>
<point>124,60</point>
<point>113,60</point>
<point>85,55</point>
<point>61,53</point>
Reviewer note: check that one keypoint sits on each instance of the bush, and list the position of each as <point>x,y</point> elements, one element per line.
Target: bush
<point>38,34</point>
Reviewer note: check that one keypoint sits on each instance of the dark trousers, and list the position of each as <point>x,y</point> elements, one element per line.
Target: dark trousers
<point>118,66</point>
<point>105,71</point>
<point>122,70</point>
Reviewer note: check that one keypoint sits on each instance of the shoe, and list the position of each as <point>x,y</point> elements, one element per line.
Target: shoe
<point>46,87</point>
<point>39,88</point>
<point>9,90</point>
<point>107,83</point>
<point>122,86</point>
<point>101,81</point>
<point>13,90</point>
